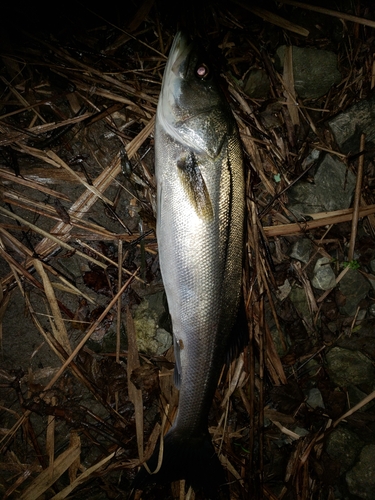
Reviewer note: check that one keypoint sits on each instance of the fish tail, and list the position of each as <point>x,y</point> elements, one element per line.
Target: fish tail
<point>192,458</point>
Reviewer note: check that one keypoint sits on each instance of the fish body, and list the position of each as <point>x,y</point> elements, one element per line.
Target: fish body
<point>200,221</point>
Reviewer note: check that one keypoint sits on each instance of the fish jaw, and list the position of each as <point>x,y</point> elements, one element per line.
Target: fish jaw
<point>171,84</point>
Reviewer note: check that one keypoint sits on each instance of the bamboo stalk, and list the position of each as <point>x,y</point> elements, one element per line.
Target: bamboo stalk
<point>274,18</point>
<point>51,237</point>
<point>333,13</point>
<point>83,477</point>
<point>46,478</point>
<point>357,200</point>
<point>89,333</point>
<point>320,219</point>
<point>87,199</point>
<point>7,175</point>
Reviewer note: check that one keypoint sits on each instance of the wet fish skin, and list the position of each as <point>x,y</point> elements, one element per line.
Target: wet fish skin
<point>200,221</point>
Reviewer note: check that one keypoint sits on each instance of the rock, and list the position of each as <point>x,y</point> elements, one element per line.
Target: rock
<point>315,71</point>
<point>354,286</point>
<point>344,446</point>
<point>313,368</point>
<point>332,189</point>
<point>280,338</point>
<point>362,338</point>
<point>312,157</point>
<point>315,398</point>
<point>270,117</point>
<point>257,84</point>
<point>324,277</point>
<point>301,431</point>
<point>355,396</point>
<point>151,339</point>
<point>301,250</point>
<point>283,290</point>
<point>361,479</point>
<point>335,183</point>
<point>347,127</point>
<point>349,367</point>
<point>281,349</point>
<point>299,300</point>
<point>371,309</point>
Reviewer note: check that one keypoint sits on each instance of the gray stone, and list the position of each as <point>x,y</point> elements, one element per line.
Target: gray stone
<point>281,349</point>
<point>270,117</point>
<point>315,71</point>
<point>349,367</point>
<point>299,300</point>
<point>333,189</point>
<point>355,396</point>
<point>313,368</point>
<point>315,398</point>
<point>371,309</point>
<point>344,446</point>
<point>301,431</point>
<point>257,84</point>
<point>360,317</point>
<point>280,339</point>
<point>361,338</point>
<point>150,338</point>
<point>332,326</point>
<point>348,126</point>
<point>324,277</point>
<point>283,290</point>
<point>163,339</point>
<point>301,250</point>
<point>354,286</point>
<point>361,479</point>
<point>335,183</point>
<point>371,280</point>
<point>312,157</point>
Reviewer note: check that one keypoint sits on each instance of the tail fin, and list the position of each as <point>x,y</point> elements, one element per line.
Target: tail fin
<point>192,458</point>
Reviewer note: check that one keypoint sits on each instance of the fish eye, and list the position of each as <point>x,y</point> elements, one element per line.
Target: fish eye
<point>202,71</point>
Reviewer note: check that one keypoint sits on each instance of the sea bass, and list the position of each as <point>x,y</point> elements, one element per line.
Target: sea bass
<point>200,224</point>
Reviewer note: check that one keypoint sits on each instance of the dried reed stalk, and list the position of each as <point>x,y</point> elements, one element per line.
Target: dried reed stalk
<point>50,243</point>
<point>274,18</point>
<point>357,200</point>
<point>329,12</point>
<point>319,219</point>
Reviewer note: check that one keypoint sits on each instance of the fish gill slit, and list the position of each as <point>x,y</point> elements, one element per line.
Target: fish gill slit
<point>230,204</point>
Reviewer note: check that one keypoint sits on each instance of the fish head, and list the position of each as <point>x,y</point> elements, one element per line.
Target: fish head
<point>191,107</point>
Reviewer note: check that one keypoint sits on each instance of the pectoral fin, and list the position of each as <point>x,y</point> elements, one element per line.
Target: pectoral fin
<point>195,186</point>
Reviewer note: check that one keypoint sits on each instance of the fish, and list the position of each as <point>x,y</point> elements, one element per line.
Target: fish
<point>200,233</point>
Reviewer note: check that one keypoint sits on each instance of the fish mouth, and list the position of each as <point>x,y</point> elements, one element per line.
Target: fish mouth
<point>180,51</point>
<point>178,58</point>
<point>174,74</point>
